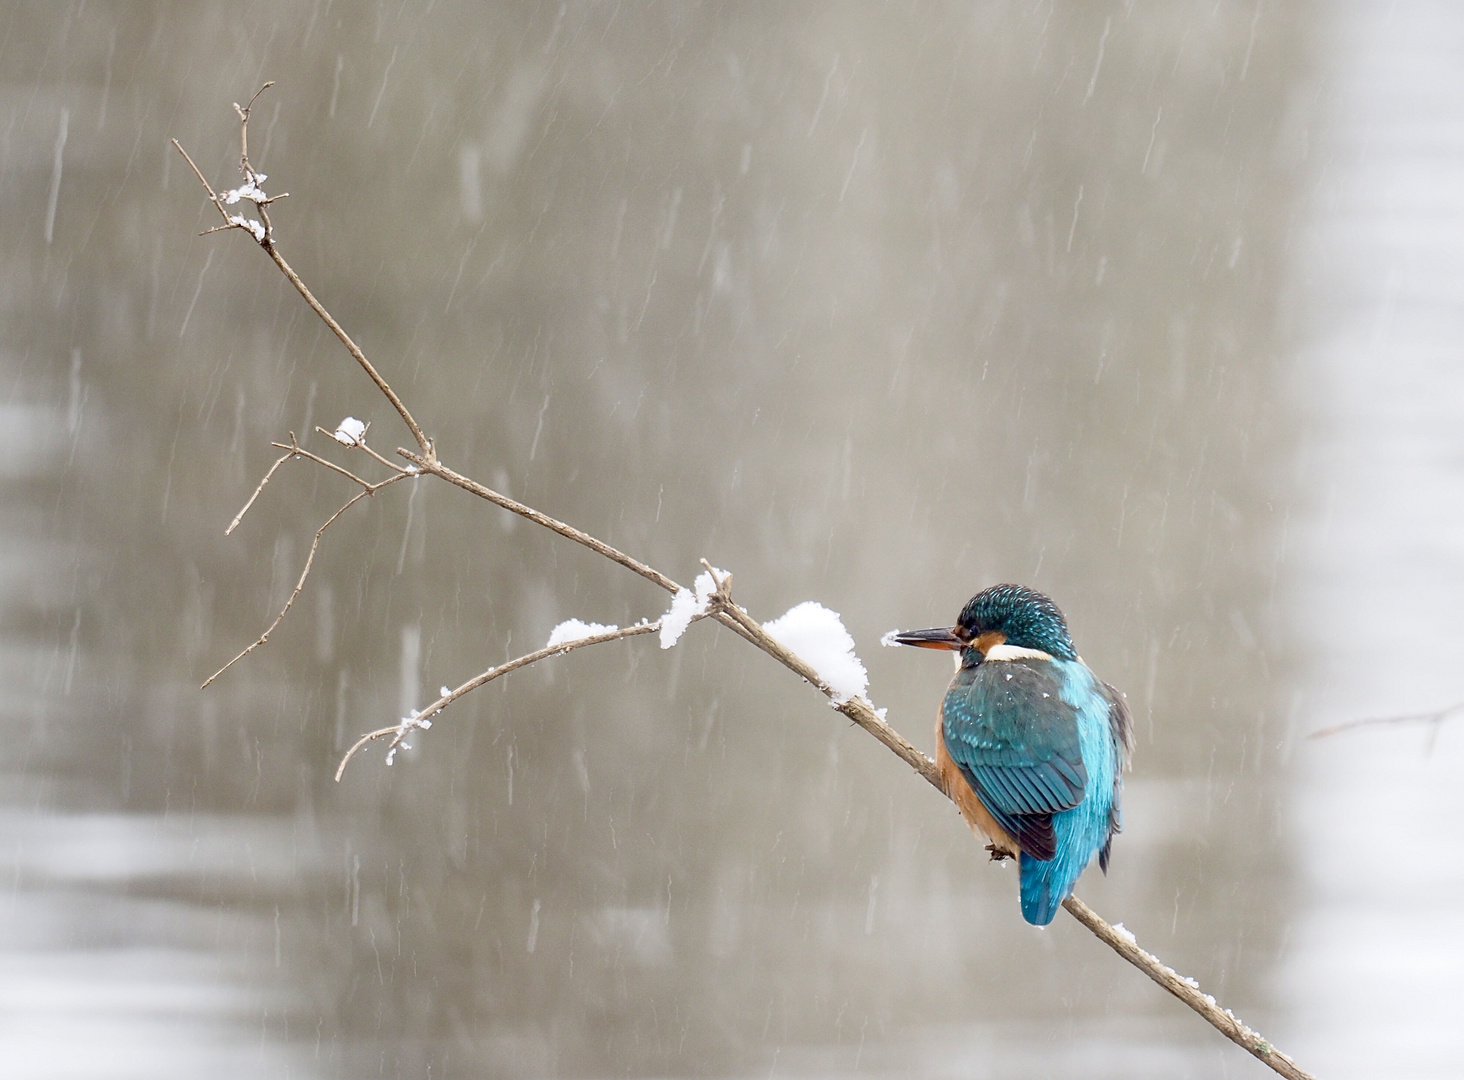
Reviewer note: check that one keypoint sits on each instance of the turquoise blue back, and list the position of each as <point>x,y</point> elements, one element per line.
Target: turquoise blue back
<point>1083,831</point>
<point>1041,742</point>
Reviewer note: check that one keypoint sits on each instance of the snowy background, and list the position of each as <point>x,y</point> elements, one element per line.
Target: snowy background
<point>1154,307</point>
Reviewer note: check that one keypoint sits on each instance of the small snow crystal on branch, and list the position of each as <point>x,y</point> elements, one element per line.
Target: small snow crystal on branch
<point>350,431</point>
<point>408,725</point>
<point>575,630</point>
<point>249,191</point>
<point>686,605</point>
<point>254,228</point>
<point>818,636</point>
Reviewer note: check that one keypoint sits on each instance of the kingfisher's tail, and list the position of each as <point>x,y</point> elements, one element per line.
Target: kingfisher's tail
<point>1045,884</point>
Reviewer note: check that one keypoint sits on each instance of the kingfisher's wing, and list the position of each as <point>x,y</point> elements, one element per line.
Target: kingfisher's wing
<point>1121,731</point>
<point>1016,741</point>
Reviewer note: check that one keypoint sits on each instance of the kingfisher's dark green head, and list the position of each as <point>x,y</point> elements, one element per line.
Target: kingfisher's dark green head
<point>1019,616</point>
<point>1011,615</point>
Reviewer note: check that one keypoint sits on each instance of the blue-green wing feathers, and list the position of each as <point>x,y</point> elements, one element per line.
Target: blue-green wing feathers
<point>1016,741</point>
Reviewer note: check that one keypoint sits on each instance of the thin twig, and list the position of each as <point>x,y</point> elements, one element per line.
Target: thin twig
<point>405,727</point>
<point>212,195</point>
<point>300,451</point>
<point>309,562</point>
<point>436,468</point>
<point>240,515</point>
<point>244,126</point>
<point>1437,717</point>
<point>360,443</point>
<point>423,443</point>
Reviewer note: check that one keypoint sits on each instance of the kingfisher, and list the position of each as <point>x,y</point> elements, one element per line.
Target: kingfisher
<point>1031,745</point>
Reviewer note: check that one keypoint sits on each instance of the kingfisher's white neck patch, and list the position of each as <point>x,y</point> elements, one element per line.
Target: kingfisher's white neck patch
<point>1015,652</point>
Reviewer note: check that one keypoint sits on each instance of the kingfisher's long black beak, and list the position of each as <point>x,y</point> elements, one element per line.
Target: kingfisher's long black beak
<point>941,637</point>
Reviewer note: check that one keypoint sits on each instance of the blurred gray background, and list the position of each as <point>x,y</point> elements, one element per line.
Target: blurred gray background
<point>1153,306</point>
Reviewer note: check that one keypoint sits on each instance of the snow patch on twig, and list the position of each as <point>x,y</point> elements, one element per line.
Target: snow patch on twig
<point>250,191</point>
<point>575,630</point>
<point>253,228</point>
<point>349,432</point>
<point>686,605</point>
<point>818,636</point>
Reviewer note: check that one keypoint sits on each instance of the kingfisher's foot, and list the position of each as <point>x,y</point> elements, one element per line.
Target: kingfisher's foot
<point>998,854</point>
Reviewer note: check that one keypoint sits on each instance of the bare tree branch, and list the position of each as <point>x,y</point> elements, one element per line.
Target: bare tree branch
<point>720,607</point>
<point>244,126</point>
<point>436,468</point>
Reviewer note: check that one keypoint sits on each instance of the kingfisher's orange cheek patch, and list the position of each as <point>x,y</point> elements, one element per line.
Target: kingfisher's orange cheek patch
<point>988,639</point>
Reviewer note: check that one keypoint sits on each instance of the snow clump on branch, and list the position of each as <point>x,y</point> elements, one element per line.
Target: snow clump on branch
<point>686,605</point>
<point>250,191</point>
<point>575,630</point>
<point>817,635</point>
<point>253,228</point>
<point>350,431</point>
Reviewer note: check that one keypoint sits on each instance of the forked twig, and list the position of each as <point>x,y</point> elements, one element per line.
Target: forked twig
<point>264,236</point>
<point>423,718</point>
<point>371,489</point>
<point>295,450</point>
<point>244,124</point>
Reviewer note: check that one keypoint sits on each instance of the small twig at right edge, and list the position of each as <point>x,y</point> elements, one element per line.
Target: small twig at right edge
<point>1187,990</point>
<point>1437,717</point>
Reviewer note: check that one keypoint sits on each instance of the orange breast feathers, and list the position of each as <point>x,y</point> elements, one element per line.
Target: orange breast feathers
<point>976,815</point>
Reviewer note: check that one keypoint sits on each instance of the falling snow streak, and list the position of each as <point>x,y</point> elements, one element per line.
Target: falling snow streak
<point>56,156</point>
